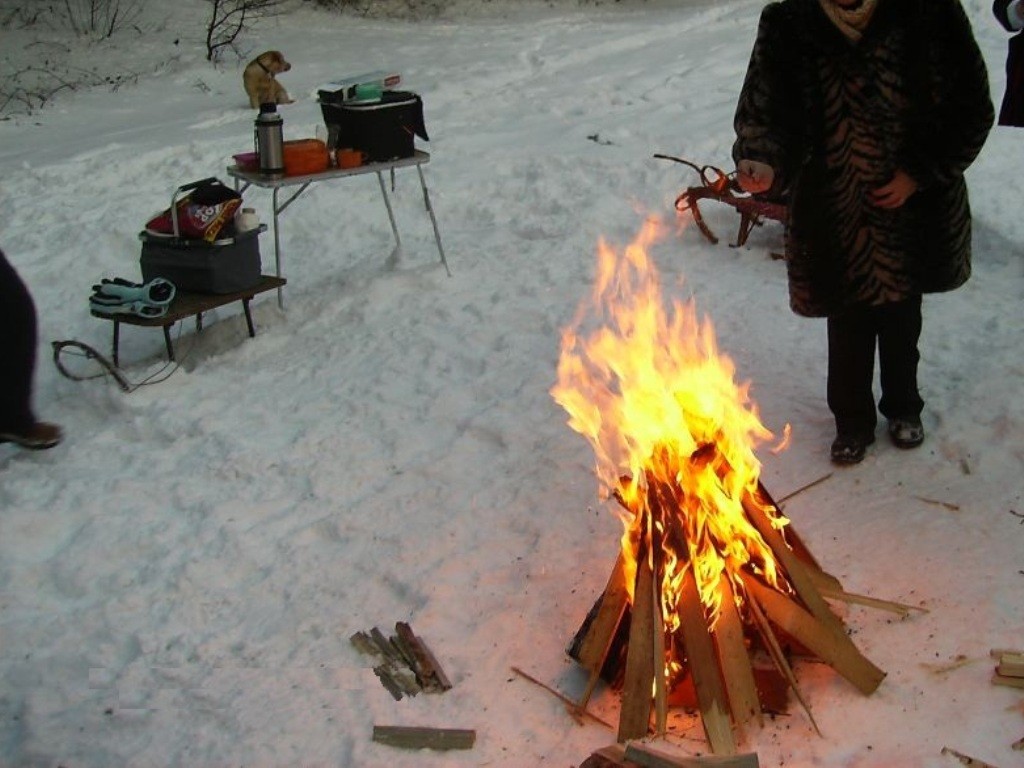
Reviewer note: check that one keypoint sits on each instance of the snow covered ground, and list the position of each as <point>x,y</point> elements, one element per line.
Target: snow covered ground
<point>179,579</point>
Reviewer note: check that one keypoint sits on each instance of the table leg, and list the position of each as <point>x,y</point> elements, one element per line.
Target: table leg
<point>167,341</point>
<point>277,245</point>
<point>391,213</point>
<point>248,316</point>
<point>433,219</point>
<point>116,343</point>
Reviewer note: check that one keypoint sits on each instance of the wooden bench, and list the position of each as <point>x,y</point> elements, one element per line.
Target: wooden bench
<point>188,304</point>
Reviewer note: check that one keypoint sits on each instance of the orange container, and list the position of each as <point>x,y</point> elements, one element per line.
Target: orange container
<point>349,158</point>
<point>303,156</point>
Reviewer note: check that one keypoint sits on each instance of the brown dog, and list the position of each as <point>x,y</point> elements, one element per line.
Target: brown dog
<point>258,79</point>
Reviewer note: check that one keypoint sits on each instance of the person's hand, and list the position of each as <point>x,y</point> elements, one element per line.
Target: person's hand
<point>754,177</point>
<point>895,193</point>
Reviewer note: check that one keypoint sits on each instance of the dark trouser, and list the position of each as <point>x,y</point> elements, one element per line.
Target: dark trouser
<point>18,350</point>
<point>851,364</point>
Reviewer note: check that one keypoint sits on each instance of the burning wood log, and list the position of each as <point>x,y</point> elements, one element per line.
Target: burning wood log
<point>700,651</point>
<point>635,717</point>
<point>595,644</point>
<point>735,660</point>
<point>835,649</point>
<point>709,570</point>
<point>778,657</point>
<point>718,659</point>
<point>796,573</point>
<point>817,574</point>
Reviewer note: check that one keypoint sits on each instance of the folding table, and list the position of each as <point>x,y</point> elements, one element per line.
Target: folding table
<point>243,178</point>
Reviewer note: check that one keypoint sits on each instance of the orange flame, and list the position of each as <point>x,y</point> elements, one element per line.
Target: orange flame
<point>672,431</point>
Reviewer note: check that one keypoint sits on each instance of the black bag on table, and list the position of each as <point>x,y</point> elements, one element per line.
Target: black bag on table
<point>384,129</point>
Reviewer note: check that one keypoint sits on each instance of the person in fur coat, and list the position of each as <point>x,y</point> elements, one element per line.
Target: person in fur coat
<point>865,114</point>
<point>1010,14</point>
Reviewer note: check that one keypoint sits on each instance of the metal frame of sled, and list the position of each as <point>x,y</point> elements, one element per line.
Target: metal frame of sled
<point>752,211</point>
<point>718,185</point>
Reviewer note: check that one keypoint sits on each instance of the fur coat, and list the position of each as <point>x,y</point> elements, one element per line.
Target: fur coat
<point>1012,110</point>
<point>835,119</point>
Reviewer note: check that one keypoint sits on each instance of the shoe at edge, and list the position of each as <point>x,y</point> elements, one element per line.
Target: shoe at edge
<point>38,437</point>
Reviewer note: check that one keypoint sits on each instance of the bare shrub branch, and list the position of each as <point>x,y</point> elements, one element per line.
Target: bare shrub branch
<point>29,89</point>
<point>229,19</point>
<point>101,18</point>
<point>412,9</point>
<point>21,17</point>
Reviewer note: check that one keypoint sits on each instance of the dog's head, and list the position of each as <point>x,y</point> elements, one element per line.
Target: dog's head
<point>273,62</point>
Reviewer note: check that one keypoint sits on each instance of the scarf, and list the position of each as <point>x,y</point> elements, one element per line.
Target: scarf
<point>851,21</point>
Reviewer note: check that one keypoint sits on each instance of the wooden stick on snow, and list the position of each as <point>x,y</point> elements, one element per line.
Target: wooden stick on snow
<point>422,660</point>
<point>801,489</point>
<point>424,738</point>
<point>967,760</point>
<point>871,602</point>
<point>572,706</point>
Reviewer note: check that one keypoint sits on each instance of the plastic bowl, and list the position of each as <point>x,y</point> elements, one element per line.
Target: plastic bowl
<point>247,161</point>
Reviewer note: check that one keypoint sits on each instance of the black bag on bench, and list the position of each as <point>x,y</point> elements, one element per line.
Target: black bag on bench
<point>227,263</point>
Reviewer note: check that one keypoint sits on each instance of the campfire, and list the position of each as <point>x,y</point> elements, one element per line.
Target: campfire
<point>711,583</point>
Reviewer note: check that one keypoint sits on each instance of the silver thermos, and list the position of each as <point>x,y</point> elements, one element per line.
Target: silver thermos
<point>269,139</point>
